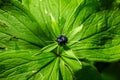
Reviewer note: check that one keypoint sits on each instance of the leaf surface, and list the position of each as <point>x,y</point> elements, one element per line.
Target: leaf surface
<point>100,38</point>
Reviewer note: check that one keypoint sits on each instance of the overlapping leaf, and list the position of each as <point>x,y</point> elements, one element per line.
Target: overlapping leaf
<point>100,37</point>
<point>28,47</point>
<point>22,64</point>
<point>22,53</point>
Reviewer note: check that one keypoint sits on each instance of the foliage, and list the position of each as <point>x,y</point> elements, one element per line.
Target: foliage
<point>28,38</point>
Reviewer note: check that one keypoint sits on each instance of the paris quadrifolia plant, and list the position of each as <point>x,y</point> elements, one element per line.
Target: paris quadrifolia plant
<point>56,39</point>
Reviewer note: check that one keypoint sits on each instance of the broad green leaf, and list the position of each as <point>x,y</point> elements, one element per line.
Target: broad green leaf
<point>48,48</point>
<point>74,34</point>
<point>68,15</point>
<point>100,37</point>
<point>65,73</point>
<point>29,31</point>
<point>13,43</point>
<point>46,13</point>
<point>22,37</point>
<point>60,14</point>
<point>23,65</point>
<point>81,11</point>
<point>72,61</point>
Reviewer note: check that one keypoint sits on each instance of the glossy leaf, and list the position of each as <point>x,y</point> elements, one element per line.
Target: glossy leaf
<point>29,30</point>
<point>101,38</point>
<point>25,54</point>
<point>71,60</point>
<point>46,14</point>
<point>22,64</point>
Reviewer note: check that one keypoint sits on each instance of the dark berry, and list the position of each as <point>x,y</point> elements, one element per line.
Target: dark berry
<point>62,40</point>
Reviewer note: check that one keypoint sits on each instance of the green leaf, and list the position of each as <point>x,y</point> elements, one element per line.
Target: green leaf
<point>72,61</point>
<point>11,16</point>
<point>57,17</point>
<point>100,37</point>
<point>46,14</point>
<point>74,34</point>
<point>26,53</point>
<point>23,65</point>
<point>29,31</point>
<point>78,12</point>
<point>48,48</point>
<point>8,43</point>
<point>64,72</point>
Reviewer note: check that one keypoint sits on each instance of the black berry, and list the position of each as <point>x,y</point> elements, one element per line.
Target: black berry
<point>62,40</point>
